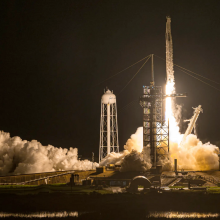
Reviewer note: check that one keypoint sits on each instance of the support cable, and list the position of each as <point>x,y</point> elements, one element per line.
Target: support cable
<point>191,71</point>
<point>199,79</point>
<point>122,70</point>
<point>134,75</point>
<point>128,105</point>
<point>197,74</point>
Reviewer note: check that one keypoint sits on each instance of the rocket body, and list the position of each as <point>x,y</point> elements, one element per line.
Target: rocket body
<point>169,52</point>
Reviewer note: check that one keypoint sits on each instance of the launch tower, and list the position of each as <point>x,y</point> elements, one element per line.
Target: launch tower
<point>155,130</point>
<point>108,125</point>
<point>155,127</point>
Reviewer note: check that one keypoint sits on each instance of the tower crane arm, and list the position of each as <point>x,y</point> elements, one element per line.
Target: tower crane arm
<point>192,123</point>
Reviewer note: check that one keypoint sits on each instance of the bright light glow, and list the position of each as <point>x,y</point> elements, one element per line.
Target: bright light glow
<point>182,215</point>
<point>193,154</point>
<point>175,136</point>
<point>63,214</point>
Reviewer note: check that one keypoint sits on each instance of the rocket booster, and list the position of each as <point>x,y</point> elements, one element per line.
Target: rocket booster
<point>169,52</point>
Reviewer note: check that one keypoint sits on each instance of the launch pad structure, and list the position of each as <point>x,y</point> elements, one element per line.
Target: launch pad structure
<point>155,127</point>
<point>155,123</point>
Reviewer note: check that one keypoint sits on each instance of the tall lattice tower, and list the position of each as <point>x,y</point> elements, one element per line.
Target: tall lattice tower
<point>155,128</point>
<point>108,125</point>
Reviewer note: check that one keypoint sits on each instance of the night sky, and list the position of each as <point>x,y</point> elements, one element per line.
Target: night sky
<point>54,54</point>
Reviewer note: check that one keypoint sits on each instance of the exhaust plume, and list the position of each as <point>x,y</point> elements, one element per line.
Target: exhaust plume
<point>194,155</point>
<point>20,156</point>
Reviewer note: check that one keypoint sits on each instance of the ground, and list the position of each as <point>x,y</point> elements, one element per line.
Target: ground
<point>112,202</point>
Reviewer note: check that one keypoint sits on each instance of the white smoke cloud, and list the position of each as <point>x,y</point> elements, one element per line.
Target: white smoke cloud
<point>21,156</point>
<point>114,158</point>
<point>135,142</point>
<point>131,159</point>
<point>194,155</point>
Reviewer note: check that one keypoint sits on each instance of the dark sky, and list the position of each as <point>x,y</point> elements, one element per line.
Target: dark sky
<point>54,53</point>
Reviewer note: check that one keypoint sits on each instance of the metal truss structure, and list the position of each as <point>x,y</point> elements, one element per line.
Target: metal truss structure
<point>163,140</point>
<point>155,129</point>
<point>108,125</point>
<point>192,123</point>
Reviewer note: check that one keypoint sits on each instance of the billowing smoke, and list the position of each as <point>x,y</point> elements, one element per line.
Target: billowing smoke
<point>134,161</point>
<point>21,156</point>
<point>131,159</point>
<point>135,142</point>
<point>194,155</point>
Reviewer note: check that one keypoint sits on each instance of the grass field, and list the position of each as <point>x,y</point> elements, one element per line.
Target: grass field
<point>177,187</point>
<point>63,188</point>
<point>16,186</point>
<point>53,188</point>
<point>214,190</point>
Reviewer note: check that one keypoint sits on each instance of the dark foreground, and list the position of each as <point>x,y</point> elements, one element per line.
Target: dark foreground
<point>112,206</point>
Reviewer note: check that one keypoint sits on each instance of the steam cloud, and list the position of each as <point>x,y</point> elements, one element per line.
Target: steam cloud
<point>192,155</point>
<point>21,156</point>
<point>131,159</point>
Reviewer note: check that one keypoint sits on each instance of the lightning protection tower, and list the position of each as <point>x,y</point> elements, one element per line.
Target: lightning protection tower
<point>108,125</point>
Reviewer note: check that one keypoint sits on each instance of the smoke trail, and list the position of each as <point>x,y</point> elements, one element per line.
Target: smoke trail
<point>21,156</point>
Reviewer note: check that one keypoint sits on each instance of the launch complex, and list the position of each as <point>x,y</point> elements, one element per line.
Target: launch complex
<point>157,112</point>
